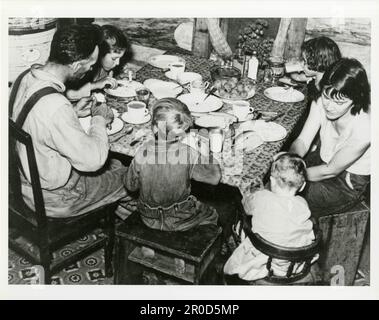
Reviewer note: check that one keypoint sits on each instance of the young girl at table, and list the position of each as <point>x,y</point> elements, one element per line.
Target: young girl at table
<point>162,170</point>
<point>114,51</point>
<point>318,55</point>
<point>279,216</point>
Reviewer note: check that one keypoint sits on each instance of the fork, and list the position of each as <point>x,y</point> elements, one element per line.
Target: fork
<point>211,92</point>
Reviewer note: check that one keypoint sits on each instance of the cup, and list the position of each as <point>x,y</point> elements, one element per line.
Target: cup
<point>143,94</point>
<point>198,87</point>
<point>137,111</point>
<point>177,68</point>
<point>241,109</point>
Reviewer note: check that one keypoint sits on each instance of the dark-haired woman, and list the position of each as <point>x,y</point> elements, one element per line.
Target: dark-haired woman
<point>339,170</point>
<point>114,50</point>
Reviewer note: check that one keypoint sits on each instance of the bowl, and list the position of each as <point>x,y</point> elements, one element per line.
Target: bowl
<point>232,90</point>
<point>223,72</point>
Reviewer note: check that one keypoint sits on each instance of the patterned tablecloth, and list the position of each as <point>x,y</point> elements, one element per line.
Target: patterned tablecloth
<point>240,169</point>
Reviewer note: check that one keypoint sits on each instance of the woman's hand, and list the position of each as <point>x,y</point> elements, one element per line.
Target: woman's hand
<point>100,84</point>
<point>83,106</point>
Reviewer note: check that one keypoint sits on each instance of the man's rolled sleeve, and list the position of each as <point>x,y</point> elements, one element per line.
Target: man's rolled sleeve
<point>84,91</point>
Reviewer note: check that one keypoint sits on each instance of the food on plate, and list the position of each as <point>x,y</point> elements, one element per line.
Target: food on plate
<point>233,88</point>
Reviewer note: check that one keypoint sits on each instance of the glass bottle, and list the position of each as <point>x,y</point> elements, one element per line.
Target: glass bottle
<point>245,69</point>
<point>238,58</point>
<point>253,67</point>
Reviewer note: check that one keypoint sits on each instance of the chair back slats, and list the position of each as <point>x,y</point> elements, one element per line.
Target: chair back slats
<point>281,252</point>
<point>293,255</point>
<point>18,135</point>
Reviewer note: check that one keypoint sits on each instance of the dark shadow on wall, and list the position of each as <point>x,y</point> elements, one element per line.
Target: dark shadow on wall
<point>236,24</point>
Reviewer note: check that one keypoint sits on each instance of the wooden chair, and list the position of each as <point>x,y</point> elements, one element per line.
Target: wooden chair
<point>184,256</point>
<point>35,236</point>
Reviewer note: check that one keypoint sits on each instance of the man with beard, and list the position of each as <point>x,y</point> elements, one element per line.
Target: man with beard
<point>70,162</point>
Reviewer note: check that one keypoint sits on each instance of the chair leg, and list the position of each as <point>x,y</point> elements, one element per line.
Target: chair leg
<point>108,250</point>
<point>46,258</point>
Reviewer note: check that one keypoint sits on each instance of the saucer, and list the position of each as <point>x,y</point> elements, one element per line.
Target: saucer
<point>126,117</point>
<point>171,75</point>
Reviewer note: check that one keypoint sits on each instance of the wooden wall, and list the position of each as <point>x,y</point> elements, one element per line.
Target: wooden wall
<point>353,36</point>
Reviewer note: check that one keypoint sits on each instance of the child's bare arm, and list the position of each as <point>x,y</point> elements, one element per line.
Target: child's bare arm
<point>248,203</point>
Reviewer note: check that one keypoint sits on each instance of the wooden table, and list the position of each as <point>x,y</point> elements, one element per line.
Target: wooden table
<point>246,171</point>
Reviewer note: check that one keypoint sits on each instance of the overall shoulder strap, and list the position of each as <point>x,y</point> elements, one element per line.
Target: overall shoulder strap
<point>12,96</point>
<point>34,98</point>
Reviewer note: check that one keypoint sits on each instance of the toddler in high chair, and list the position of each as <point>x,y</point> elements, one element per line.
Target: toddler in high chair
<point>279,216</point>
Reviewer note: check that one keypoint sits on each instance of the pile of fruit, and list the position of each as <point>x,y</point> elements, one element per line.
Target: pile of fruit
<point>251,38</point>
<point>234,89</point>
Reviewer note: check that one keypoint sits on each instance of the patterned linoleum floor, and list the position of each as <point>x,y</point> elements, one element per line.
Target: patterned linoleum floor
<point>90,270</point>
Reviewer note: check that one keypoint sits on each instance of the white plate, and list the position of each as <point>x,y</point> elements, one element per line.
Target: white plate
<point>127,90</point>
<point>117,125</point>
<point>248,141</point>
<point>196,103</point>
<point>268,131</point>
<point>282,94</point>
<point>162,61</point>
<point>184,77</point>
<point>163,89</point>
<point>210,121</point>
<point>125,116</point>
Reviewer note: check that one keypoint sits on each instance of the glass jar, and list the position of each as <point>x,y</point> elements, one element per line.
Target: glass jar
<point>216,139</point>
<point>277,67</point>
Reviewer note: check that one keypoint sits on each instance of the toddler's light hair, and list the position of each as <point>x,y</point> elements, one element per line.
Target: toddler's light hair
<point>289,170</point>
<point>172,113</point>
